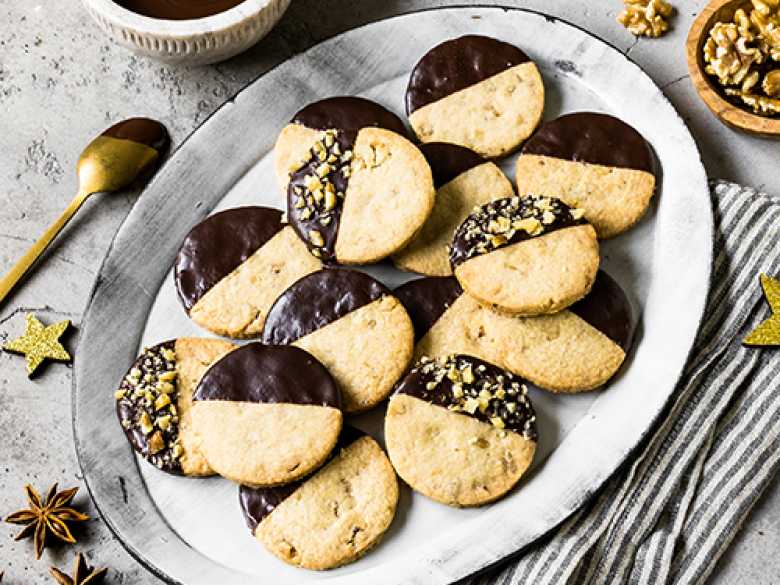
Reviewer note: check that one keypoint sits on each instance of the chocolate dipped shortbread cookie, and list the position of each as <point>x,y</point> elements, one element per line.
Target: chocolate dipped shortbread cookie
<point>233,265</point>
<point>353,325</point>
<point>475,91</point>
<point>460,430</point>
<point>594,161</point>
<point>525,255</point>
<point>333,516</point>
<point>346,113</point>
<point>574,350</point>
<point>266,415</point>
<point>463,180</point>
<point>357,192</point>
<point>154,403</point>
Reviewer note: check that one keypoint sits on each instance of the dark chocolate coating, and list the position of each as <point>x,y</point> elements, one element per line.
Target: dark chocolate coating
<point>218,245</point>
<point>463,244</point>
<point>144,131</point>
<point>594,138</point>
<point>317,300</point>
<point>416,383</point>
<point>178,9</point>
<point>457,64</point>
<point>447,161</point>
<point>607,308</point>
<point>269,374</point>
<point>257,503</point>
<point>348,114</point>
<point>426,299</point>
<point>129,410</point>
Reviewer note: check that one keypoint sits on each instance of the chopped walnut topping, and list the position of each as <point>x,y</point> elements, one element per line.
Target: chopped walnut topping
<point>146,405</point>
<point>316,191</point>
<point>648,18</point>
<point>739,55</point>
<point>465,384</point>
<point>508,221</point>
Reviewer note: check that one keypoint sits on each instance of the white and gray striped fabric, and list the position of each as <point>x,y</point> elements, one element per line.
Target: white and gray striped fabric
<point>670,513</point>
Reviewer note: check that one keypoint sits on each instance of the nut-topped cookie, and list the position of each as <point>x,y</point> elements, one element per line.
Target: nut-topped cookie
<point>460,430</point>
<point>353,325</point>
<point>266,415</point>
<point>574,350</point>
<point>154,399</point>
<point>346,113</point>
<point>358,191</point>
<point>594,161</point>
<point>233,265</point>
<point>463,180</point>
<point>476,91</point>
<point>526,255</point>
<point>333,516</point>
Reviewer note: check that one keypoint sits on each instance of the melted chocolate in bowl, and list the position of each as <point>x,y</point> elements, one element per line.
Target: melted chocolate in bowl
<point>178,9</point>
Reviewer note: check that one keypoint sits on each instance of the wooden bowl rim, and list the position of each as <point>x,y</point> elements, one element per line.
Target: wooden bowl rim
<point>729,113</point>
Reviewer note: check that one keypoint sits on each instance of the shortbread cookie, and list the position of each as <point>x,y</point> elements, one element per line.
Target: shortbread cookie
<point>463,180</point>
<point>478,92</point>
<point>154,402</point>
<point>525,255</point>
<point>575,350</point>
<point>359,196</point>
<point>460,430</point>
<point>353,325</point>
<point>266,415</point>
<point>332,517</point>
<point>347,113</point>
<point>593,161</point>
<point>233,265</point>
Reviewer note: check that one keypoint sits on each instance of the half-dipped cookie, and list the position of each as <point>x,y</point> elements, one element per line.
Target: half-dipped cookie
<point>574,350</point>
<point>333,516</point>
<point>594,161</point>
<point>525,255</point>
<point>460,430</point>
<point>353,325</point>
<point>475,91</point>
<point>266,415</point>
<point>154,403</point>
<point>463,180</point>
<point>359,192</point>
<point>233,265</point>
<point>346,113</point>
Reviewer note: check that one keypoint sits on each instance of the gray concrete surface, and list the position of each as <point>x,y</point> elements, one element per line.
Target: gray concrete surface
<point>62,81</point>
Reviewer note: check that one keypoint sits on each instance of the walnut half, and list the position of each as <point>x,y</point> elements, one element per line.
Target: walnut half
<point>647,18</point>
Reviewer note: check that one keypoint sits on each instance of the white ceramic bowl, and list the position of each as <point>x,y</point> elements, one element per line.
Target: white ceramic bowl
<point>192,42</point>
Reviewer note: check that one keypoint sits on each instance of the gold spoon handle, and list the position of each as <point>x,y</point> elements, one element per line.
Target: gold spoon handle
<point>25,262</point>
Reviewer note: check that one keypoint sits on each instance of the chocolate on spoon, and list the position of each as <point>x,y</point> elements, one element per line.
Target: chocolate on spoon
<point>125,153</point>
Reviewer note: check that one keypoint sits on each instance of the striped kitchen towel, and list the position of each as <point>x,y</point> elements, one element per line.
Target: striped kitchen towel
<point>671,513</point>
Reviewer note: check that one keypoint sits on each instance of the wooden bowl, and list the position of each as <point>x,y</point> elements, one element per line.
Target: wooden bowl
<point>727,112</point>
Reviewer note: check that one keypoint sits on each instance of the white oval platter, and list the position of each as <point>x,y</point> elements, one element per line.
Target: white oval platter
<point>191,531</point>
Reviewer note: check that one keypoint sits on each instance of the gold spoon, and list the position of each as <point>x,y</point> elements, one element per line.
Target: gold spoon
<point>127,151</point>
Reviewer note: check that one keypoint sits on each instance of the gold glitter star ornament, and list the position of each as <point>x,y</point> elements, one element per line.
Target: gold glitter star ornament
<point>40,343</point>
<point>768,333</point>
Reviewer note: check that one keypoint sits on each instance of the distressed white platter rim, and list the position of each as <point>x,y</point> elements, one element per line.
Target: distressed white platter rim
<point>664,263</point>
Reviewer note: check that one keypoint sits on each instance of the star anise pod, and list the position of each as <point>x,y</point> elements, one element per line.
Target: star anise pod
<point>83,574</point>
<point>47,517</point>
